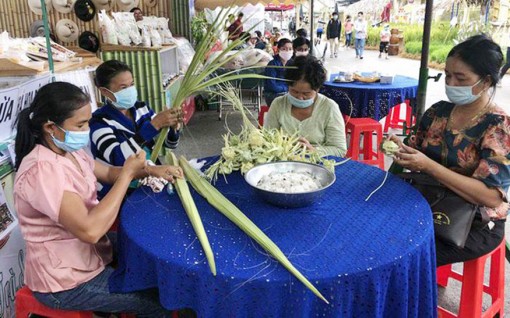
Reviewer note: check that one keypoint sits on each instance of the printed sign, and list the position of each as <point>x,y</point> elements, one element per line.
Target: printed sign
<point>14,99</point>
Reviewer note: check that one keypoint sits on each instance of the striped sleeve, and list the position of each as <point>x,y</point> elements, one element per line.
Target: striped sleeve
<point>106,146</point>
<point>143,117</point>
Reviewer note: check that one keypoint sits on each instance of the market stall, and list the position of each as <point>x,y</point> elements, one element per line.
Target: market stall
<point>75,48</point>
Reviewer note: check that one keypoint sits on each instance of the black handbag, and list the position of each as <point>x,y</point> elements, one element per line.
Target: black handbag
<point>453,216</point>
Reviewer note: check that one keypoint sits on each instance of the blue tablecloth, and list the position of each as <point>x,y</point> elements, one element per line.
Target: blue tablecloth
<point>370,99</point>
<point>369,259</point>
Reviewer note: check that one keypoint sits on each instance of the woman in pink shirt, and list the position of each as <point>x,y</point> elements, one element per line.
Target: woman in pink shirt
<point>63,223</point>
<point>348,31</point>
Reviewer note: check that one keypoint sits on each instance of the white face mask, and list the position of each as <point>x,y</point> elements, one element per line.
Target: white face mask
<point>285,55</point>
<point>462,95</point>
<point>301,53</point>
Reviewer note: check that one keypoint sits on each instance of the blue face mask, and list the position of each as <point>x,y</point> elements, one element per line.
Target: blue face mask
<point>462,95</point>
<point>300,103</point>
<point>125,98</point>
<point>73,140</point>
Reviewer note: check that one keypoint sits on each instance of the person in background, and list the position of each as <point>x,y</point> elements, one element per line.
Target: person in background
<point>124,125</point>
<point>333,32</point>
<point>230,19</point>
<point>303,110</point>
<point>292,27</point>
<point>385,40</point>
<point>245,37</point>
<point>277,86</point>
<point>137,12</point>
<point>348,31</point>
<point>360,28</point>
<point>235,28</point>
<point>68,253</point>
<point>302,33</point>
<point>275,38</point>
<point>252,40</point>
<point>301,46</point>
<point>320,30</point>
<point>260,44</point>
<point>464,144</point>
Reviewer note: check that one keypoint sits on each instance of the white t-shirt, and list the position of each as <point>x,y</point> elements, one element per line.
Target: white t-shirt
<point>361,29</point>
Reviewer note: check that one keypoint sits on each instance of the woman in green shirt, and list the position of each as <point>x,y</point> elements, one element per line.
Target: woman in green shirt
<point>316,118</point>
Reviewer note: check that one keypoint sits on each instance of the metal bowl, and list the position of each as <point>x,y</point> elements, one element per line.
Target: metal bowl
<point>290,200</point>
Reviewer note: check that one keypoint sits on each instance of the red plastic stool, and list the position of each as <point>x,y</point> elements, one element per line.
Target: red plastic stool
<point>473,286</point>
<point>365,127</point>
<point>263,110</point>
<point>27,304</point>
<point>393,119</point>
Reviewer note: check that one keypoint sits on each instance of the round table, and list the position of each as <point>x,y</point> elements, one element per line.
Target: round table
<point>370,99</point>
<point>369,259</point>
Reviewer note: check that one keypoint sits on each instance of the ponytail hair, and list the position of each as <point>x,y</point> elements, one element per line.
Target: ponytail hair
<point>54,102</point>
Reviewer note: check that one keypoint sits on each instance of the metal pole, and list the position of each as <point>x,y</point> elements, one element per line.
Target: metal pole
<point>311,26</point>
<point>47,36</point>
<point>424,69</point>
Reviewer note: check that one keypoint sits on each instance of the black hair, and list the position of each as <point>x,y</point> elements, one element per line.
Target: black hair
<point>361,12</point>
<point>335,13</point>
<point>482,54</point>
<point>240,15</point>
<point>348,16</point>
<point>259,34</point>
<point>308,69</point>
<point>108,70</point>
<point>54,102</point>
<point>282,42</point>
<point>300,41</point>
<point>245,36</point>
<point>134,9</point>
<point>302,32</point>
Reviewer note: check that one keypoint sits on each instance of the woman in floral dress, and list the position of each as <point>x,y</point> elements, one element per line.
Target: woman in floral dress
<point>465,144</point>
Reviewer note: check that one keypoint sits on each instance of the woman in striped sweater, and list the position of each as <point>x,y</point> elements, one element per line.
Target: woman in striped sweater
<point>124,125</point>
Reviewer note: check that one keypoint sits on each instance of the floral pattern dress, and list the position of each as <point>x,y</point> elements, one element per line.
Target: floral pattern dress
<point>481,150</point>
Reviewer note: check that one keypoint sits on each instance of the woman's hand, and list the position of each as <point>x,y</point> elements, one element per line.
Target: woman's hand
<point>396,140</point>
<point>413,159</point>
<point>172,117</point>
<point>134,164</point>
<point>166,172</point>
<point>306,143</point>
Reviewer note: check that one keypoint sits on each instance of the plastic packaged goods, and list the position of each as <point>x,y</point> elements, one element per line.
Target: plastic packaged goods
<point>146,37</point>
<point>108,29</point>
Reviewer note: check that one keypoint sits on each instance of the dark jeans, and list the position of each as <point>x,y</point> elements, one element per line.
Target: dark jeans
<point>348,37</point>
<point>94,295</point>
<point>478,243</point>
<point>505,67</point>
<point>383,46</point>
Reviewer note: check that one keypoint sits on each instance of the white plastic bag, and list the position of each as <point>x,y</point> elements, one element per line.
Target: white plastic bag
<point>108,30</point>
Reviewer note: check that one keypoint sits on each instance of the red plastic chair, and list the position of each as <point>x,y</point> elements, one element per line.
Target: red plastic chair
<point>473,286</point>
<point>263,110</point>
<point>27,305</point>
<point>393,119</point>
<point>365,127</point>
